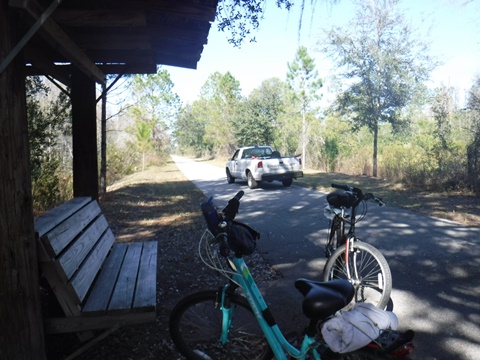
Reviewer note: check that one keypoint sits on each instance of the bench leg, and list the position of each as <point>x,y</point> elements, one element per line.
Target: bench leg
<point>92,342</point>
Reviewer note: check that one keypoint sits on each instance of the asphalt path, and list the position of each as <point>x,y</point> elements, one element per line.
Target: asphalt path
<point>435,263</point>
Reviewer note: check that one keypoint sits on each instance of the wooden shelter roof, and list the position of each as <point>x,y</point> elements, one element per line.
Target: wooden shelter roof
<point>113,36</point>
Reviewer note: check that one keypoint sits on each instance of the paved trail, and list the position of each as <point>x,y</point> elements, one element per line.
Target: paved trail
<point>435,263</point>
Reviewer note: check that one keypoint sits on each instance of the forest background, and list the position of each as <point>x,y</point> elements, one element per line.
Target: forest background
<point>380,120</point>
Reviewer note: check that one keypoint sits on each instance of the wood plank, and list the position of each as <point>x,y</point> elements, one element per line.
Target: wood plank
<point>83,278</point>
<point>145,292</point>
<point>76,324</point>
<point>52,218</point>
<point>56,240</point>
<point>72,259</point>
<point>100,17</point>
<point>122,297</point>
<point>84,130</point>
<point>102,291</point>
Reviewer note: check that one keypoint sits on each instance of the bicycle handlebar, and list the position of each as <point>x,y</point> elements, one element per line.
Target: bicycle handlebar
<point>239,195</point>
<point>359,193</point>
<point>342,187</point>
<point>231,209</point>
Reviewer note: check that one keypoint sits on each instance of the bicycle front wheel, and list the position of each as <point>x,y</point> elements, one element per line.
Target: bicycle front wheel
<point>366,268</point>
<point>196,328</point>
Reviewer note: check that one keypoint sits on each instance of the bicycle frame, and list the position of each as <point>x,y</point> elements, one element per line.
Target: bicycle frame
<point>277,341</point>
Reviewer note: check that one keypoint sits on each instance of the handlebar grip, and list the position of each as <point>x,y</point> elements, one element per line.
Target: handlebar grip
<point>232,207</point>
<point>239,195</point>
<point>341,187</point>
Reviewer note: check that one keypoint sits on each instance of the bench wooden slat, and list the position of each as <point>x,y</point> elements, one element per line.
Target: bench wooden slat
<point>71,260</point>
<point>122,297</point>
<point>85,276</point>
<point>99,298</point>
<point>145,293</point>
<point>56,240</point>
<point>47,221</point>
<point>75,324</point>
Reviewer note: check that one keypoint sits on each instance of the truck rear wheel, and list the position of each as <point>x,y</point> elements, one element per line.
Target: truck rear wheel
<point>287,182</point>
<point>230,178</point>
<point>252,183</point>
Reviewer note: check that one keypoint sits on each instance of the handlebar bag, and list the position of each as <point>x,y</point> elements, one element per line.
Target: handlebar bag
<point>242,238</point>
<point>339,199</point>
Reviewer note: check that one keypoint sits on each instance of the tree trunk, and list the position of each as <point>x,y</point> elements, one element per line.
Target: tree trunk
<point>304,140</point>
<point>375,149</point>
<point>21,325</point>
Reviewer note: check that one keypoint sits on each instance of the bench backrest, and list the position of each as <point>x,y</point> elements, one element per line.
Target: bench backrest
<point>74,242</point>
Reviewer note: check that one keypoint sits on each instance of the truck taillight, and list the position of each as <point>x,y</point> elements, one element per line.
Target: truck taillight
<point>260,165</point>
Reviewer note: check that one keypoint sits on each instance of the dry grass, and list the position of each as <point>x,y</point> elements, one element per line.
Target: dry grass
<point>460,207</point>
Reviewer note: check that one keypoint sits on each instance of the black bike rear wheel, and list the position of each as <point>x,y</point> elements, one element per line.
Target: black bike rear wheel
<point>196,324</point>
<point>367,270</point>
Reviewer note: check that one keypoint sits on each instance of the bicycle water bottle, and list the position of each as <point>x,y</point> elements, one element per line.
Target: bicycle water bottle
<point>211,215</point>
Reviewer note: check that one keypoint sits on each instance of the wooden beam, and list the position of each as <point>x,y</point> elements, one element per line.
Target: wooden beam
<point>20,306</point>
<point>130,68</point>
<point>182,9</point>
<point>84,134</point>
<point>42,66</point>
<point>121,56</point>
<point>61,41</point>
<point>101,17</point>
<point>26,38</point>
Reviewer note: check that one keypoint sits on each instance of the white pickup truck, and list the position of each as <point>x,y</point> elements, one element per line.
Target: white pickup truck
<point>261,163</point>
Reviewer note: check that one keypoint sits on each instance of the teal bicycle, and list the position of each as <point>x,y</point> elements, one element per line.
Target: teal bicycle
<point>223,324</point>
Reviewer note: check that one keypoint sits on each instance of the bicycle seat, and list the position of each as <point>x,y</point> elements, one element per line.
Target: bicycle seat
<point>339,199</point>
<point>322,299</point>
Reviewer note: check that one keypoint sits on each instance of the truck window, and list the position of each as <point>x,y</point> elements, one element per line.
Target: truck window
<point>235,156</point>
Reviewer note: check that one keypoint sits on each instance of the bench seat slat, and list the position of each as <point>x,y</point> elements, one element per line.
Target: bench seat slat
<point>72,259</point>
<point>145,293</point>
<point>85,276</point>
<point>122,297</point>
<point>99,298</point>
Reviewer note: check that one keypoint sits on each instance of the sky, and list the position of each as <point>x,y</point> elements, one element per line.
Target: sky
<point>450,26</point>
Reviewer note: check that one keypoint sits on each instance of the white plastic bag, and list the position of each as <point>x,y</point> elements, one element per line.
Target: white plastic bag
<point>353,329</point>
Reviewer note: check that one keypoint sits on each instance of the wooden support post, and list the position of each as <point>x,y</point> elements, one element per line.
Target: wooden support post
<point>21,325</point>
<point>84,133</point>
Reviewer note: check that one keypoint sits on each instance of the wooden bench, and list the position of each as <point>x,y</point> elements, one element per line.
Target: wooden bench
<point>99,284</point>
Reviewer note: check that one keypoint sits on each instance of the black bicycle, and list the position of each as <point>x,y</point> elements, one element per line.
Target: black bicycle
<point>348,257</point>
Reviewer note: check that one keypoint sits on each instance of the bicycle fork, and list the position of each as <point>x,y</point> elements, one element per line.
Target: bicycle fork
<point>349,248</point>
<point>351,265</point>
